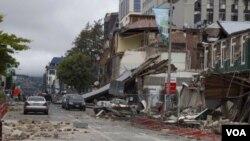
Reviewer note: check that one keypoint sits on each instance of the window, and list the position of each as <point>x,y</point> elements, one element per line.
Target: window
<point>210,4</point>
<point>243,49</point>
<point>213,55</point>
<point>247,5</point>
<point>52,72</point>
<point>222,4</point>
<point>222,16</point>
<point>223,46</point>
<point>233,46</point>
<point>234,7</point>
<point>205,58</point>
<point>234,17</point>
<point>137,5</point>
<point>210,17</point>
<point>247,16</point>
<point>197,5</point>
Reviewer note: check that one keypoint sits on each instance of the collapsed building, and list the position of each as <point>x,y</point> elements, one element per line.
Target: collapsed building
<point>210,66</point>
<point>226,65</point>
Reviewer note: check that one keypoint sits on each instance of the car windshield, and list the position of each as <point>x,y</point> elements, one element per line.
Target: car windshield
<point>35,99</point>
<point>76,97</point>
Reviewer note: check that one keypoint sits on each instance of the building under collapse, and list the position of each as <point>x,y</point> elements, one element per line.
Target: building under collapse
<point>227,67</point>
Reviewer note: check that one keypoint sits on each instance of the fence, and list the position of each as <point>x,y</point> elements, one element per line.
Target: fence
<point>3,111</point>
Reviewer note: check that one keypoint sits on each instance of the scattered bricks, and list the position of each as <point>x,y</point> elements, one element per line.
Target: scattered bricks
<point>7,130</point>
<point>36,122</point>
<point>46,126</point>
<point>16,133</point>
<point>55,136</point>
<point>45,134</point>
<point>68,129</point>
<point>25,121</point>
<point>75,130</point>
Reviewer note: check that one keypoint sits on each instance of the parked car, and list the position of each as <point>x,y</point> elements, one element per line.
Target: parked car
<point>36,104</point>
<point>116,103</point>
<point>75,101</point>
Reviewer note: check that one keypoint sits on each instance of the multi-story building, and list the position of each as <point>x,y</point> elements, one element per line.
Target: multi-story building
<point>195,13</point>
<point>126,8</point>
<point>52,82</point>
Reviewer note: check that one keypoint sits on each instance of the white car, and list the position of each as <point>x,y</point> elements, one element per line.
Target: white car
<point>36,104</point>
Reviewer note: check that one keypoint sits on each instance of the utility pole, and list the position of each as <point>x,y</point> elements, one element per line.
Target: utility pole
<point>169,54</point>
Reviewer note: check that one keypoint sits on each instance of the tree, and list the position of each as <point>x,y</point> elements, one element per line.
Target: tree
<point>90,42</point>
<point>75,71</point>
<point>9,43</point>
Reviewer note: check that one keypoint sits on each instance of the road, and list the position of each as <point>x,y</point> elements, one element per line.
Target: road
<point>98,129</point>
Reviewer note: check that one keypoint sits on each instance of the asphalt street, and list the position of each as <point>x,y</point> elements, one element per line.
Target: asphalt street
<point>99,129</point>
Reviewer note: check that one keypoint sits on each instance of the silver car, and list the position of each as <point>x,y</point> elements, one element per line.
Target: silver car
<point>36,104</point>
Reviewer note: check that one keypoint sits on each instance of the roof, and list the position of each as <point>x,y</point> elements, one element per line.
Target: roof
<point>233,27</point>
<point>56,60</point>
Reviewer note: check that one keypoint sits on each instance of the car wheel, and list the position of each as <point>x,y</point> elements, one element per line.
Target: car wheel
<point>67,107</point>
<point>24,112</point>
<point>46,113</point>
<point>84,108</point>
<point>62,106</point>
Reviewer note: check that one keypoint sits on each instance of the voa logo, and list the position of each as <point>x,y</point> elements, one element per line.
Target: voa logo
<point>236,132</point>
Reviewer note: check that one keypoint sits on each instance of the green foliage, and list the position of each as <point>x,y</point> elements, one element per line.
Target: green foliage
<point>9,43</point>
<point>75,71</point>
<point>90,41</point>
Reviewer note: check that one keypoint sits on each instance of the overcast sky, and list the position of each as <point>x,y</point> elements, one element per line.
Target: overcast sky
<point>52,25</point>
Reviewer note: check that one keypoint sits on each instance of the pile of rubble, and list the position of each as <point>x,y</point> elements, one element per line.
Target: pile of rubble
<point>32,129</point>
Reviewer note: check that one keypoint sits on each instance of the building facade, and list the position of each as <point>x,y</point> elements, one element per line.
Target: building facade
<point>196,13</point>
<point>52,82</point>
<point>231,53</point>
<point>127,7</point>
